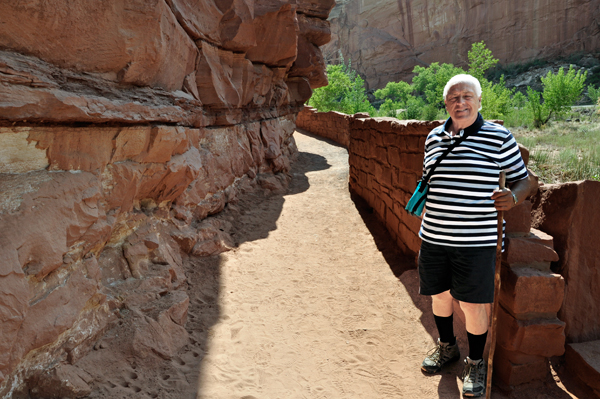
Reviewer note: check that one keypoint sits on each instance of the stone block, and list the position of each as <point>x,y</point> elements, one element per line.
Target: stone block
<point>583,360</point>
<point>518,219</point>
<point>392,222</point>
<point>536,247</point>
<point>529,293</point>
<point>412,163</point>
<point>542,337</point>
<point>514,368</point>
<point>570,212</point>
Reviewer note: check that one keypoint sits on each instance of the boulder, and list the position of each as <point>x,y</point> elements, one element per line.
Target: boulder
<point>63,381</point>
<point>52,312</point>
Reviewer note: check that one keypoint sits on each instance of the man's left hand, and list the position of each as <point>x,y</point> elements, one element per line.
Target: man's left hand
<point>503,199</point>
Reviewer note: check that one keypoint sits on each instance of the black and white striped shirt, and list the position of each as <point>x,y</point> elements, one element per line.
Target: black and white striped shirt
<point>459,210</point>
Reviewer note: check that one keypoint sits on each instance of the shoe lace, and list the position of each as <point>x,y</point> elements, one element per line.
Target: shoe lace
<point>435,353</point>
<point>474,373</point>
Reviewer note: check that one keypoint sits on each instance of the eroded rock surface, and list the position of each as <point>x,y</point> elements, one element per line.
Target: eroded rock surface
<point>386,39</point>
<point>123,128</point>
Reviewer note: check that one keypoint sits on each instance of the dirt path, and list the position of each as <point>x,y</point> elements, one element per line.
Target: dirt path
<point>313,303</point>
<point>313,310</point>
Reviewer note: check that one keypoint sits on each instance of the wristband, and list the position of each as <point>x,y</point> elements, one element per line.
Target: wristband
<point>515,197</point>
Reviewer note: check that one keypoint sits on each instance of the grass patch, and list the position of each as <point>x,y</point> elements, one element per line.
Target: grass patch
<point>563,151</point>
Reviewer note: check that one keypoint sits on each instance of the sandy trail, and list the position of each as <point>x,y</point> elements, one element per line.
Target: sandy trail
<point>314,302</point>
<point>313,308</point>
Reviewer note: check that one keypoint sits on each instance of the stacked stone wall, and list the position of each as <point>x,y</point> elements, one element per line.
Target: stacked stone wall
<point>386,161</point>
<point>332,125</point>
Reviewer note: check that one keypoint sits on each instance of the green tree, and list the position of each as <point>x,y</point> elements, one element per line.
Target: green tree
<point>398,92</point>
<point>519,100</point>
<point>495,99</point>
<point>560,92</point>
<point>414,108</point>
<point>430,81</point>
<point>389,108</point>
<point>480,60</point>
<point>345,92</point>
<point>594,94</point>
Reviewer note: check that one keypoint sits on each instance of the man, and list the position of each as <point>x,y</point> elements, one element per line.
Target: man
<point>459,226</point>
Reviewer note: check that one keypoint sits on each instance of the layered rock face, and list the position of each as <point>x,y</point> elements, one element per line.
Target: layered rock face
<point>122,127</point>
<point>385,39</point>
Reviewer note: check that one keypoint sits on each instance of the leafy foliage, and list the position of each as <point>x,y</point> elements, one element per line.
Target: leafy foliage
<point>423,98</point>
<point>414,108</point>
<point>398,92</point>
<point>561,91</point>
<point>495,99</point>
<point>430,81</point>
<point>344,93</point>
<point>389,108</point>
<point>594,94</point>
<point>480,60</point>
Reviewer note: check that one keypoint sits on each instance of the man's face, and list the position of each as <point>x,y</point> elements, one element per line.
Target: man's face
<point>462,104</point>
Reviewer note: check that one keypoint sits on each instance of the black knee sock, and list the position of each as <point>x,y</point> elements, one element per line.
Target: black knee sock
<point>476,345</point>
<point>445,326</point>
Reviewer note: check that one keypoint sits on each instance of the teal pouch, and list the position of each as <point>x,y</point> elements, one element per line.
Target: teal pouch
<point>417,201</point>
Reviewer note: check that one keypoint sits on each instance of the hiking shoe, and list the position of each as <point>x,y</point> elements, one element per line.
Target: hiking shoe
<point>474,378</point>
<point>443,353</point>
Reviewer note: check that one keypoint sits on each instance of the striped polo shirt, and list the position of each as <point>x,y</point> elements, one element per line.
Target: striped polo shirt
<point>459,210</point>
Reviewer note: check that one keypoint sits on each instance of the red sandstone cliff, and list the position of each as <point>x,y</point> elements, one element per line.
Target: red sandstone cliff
<point>123,125</point>
<point>385,39</point>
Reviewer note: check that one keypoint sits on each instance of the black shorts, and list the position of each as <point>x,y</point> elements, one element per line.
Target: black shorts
<point>468,272</point>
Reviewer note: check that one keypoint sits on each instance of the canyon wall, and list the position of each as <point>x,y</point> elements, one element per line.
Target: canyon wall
<point>123,126</point>
<point>386,39</point>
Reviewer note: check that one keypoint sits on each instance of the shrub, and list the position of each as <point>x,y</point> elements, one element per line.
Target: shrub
<point>495,99</point>
<point>560,92</point>
<point>344,93</point>
<point>395,91</point>
<point>414,108</point>
<point>389,108</point>
<point>480,60</point>
<point>594,94</point>
<point>518,100</point>
<point>430,81</point>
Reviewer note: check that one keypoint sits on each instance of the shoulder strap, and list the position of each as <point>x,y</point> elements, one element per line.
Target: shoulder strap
<point>444,154</point>
<point>466,132</point>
